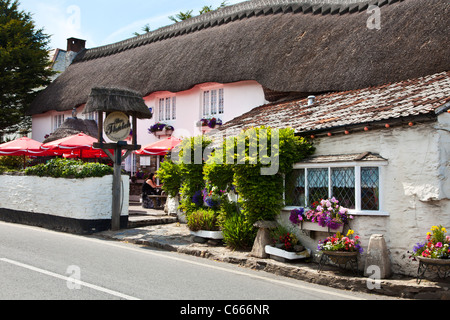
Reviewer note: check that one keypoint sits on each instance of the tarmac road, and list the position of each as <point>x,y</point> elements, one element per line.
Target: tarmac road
<point>40,264</point>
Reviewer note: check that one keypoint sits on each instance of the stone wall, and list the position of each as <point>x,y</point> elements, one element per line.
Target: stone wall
<point>79,205</point>
<point>415,183</point>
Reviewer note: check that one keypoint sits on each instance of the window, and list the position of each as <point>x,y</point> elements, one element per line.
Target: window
<point>357,187</point>
<point>213,102</point>
<point>58,120</point>
<point>167,109</point>
<point>92,116</point>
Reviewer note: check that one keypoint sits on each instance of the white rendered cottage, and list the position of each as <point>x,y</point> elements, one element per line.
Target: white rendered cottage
<point>383,151</point>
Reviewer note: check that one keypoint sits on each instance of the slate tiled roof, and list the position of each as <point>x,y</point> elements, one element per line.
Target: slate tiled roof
<point>382,104</point>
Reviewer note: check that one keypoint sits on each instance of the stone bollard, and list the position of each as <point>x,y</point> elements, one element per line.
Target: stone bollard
<point>377,255</point>
<point>262,238</point>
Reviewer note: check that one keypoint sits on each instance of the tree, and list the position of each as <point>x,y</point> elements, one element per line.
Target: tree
<point>188,14</point>
<point>24,63</point>
<point>145,28</point>
<point>181,16</point>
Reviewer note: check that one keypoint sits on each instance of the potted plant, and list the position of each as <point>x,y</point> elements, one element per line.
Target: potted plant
<point>286,246</point>
<point>203,223</point>
<point>433,252</point>
<point>326,215</point>
<point>210,123</point>
<point>340,249</point>
<point>161,129</point>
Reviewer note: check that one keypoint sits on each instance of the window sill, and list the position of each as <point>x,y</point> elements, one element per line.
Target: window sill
<point>352,212</point>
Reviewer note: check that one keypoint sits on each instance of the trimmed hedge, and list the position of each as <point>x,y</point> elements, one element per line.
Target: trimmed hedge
<point>71,169</point>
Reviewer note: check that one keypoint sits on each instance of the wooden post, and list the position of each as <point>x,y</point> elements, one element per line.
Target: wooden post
<point>116,189</point>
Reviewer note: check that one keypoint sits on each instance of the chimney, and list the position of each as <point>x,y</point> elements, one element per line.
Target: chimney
<point>311,100</point>
<point>75,45</point>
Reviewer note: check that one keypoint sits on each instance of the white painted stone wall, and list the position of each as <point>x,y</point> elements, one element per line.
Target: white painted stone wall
<point>416,185</point>
<point>83,199</point>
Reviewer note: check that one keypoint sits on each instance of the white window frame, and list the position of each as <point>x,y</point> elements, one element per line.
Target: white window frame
<point>381,165</point>
<point>58,120</point>
<point>166,108</point>
<point>212,102</point>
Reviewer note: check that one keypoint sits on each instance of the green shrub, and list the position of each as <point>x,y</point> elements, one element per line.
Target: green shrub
<point>238,231</point>
<point>66,168</point>
<point>11,163</point>
<point>170,175</point>
<point>203,219</point>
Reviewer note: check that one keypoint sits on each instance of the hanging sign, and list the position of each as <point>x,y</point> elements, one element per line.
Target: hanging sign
<point>117,126</point>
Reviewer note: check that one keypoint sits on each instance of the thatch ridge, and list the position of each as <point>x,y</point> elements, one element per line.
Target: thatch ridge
<point>232,13</point>
<point>283,51</point>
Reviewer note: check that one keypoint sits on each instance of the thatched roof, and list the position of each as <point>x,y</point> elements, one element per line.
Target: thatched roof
<point>73,126</point>
<point>416,100</point>
<point>287,46</point>
<point>117,99</point>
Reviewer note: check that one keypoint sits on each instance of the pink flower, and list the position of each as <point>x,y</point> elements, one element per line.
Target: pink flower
<point>439,245</point>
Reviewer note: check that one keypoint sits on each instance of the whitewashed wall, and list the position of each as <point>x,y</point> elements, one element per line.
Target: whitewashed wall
<point>82,199</point>
<point>416,185</point>
<point>239,98</point>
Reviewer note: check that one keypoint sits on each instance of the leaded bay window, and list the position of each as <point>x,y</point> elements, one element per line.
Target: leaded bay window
<point>355,184</point>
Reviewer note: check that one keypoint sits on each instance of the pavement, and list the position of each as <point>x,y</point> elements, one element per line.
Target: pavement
<point>153,228</point>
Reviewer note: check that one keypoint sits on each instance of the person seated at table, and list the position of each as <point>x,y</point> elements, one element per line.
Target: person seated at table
<point>149,188</point>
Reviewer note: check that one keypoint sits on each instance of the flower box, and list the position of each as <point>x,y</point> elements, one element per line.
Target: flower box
<point>216,235</point>
<point>312,226</point>
<point>286,254</point>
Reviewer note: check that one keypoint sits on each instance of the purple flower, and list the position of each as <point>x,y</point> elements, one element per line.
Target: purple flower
<point>296,215</point>
<point>198,198</point>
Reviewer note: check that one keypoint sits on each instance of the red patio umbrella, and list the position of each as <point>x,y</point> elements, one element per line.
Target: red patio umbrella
<point>160,148</point>
<point>22,147</point>
<point>79,145</point>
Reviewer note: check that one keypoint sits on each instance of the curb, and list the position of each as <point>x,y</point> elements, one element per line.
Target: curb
<point>405,288</point>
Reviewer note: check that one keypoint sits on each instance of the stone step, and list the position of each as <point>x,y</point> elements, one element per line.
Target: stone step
<point>142,221</point>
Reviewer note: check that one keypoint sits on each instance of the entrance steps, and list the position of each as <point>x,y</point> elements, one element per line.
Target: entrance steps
<point>141,217</point>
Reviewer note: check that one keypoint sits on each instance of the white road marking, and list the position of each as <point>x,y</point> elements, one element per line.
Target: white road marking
<point>75,281</point>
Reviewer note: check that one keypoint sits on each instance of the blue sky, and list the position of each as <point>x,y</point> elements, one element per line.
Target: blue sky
<point>103,22</point>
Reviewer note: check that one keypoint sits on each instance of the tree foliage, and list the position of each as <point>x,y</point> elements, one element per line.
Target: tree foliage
<point>181,16</point>
<point>24,62</point>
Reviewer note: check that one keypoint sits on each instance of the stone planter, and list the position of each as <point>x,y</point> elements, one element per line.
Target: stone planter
<point>215,235</point>
<point>312,226</point>
<point>276,253</point>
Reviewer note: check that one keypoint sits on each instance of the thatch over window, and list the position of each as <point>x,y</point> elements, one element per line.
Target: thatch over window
<point>286,46</point>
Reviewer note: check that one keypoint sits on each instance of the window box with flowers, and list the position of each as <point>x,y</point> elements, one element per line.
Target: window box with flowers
<point>161,129</point>
<point>433,253</point>
<point>341,250</point>
<point>286,246</point>
<point>325,216</point>
<point>208,124</point>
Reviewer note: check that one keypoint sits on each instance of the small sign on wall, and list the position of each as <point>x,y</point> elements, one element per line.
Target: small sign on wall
<point>145,161</point>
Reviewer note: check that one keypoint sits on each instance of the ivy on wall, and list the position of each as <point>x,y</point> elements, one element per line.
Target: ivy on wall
<point>253,165</point>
